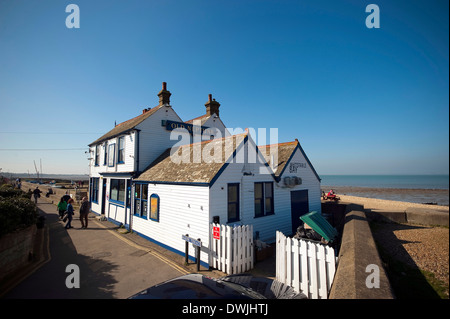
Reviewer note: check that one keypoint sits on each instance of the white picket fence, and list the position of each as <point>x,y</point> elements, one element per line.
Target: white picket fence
<point>233,252</point>
<point>306,266</point>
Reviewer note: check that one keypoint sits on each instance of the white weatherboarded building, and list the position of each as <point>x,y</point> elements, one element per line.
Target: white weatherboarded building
<point>166,188</point>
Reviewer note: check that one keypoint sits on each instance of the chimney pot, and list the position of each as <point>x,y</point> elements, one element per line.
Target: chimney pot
<point>164,95</point>
<point>212,106</point>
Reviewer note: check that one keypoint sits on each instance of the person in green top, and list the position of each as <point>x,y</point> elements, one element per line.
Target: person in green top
<point>62,207</point>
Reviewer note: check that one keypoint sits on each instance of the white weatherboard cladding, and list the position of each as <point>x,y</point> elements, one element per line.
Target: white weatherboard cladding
<point>214,121</point>
<point>154,139</point>
<point>265,225</point>
<point>309,180</point>
<point>129,156</point>
<point>183,210</point>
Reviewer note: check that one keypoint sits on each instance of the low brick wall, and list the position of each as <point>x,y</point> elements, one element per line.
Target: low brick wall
<point>359,262</point>
<point>15,250</point>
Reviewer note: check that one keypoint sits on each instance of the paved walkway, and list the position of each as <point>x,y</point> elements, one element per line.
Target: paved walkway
<point>111,264</point>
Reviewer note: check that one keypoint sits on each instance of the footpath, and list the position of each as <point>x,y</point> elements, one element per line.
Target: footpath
<point>110,264</point>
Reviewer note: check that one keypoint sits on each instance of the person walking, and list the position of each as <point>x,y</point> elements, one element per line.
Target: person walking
<point>70,213</point>
<point>62,207</point>
<point>36,193</point>
<point>84,212</point>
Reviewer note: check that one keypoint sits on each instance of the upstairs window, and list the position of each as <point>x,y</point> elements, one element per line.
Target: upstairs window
<point>97,155</point>
<point>105,154</point>
<point>111,152</point>
<point>121,152</point>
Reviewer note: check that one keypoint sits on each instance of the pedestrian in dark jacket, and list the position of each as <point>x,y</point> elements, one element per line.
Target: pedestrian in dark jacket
<point>70,213</point>
<point>84,212</point>
<point>36,193</point>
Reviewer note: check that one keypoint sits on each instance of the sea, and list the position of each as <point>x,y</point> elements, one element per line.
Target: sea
<point>429,189</point>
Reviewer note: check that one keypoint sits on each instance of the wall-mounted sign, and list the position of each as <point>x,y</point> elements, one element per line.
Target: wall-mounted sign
<point>172,125</point>
<point>293,167</point>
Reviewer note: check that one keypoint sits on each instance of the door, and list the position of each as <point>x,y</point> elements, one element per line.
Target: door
<point>299,207</point>
<point>103,196</point>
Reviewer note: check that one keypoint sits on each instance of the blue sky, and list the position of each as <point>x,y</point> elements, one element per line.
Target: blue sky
<point>360,100</point>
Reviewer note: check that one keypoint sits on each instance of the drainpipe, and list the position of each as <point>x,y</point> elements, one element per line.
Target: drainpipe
<point>137,152</point>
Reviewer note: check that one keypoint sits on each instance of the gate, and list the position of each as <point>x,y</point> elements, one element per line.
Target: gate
<point>231,248</point>
<point>306,266</point>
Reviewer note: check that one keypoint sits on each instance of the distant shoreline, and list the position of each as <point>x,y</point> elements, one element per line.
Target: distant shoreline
<point>26,176</point>
<point>411,195</point>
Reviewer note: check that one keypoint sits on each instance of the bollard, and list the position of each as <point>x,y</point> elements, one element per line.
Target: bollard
<point>186,256</point>
<point>198,255</point>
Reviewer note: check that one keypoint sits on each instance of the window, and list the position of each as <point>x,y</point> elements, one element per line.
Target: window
<point>154,207</point>
<point>117,190</point>
<point>140,200</point>
<point>94,189</point>
<point>97,155</point>
<point>111,151</point>
<point>121,153</point>
<point>264,199</point>
<point>105,154</point>
<point>233,202</point>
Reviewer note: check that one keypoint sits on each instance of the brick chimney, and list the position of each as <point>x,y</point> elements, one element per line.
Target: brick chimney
<point>212,106</point>
<point>164,95</point>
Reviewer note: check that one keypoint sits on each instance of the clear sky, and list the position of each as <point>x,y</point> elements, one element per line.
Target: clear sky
<point>359,100</point>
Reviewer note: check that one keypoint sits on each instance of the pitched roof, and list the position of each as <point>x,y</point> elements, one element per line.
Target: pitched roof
<point>203,118</point>
<point>285,153</point>
<point>127,125</point>
<point>178,165</point>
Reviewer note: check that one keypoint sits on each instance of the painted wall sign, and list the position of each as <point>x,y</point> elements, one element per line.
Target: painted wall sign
<point>293,167</point>
<point>172,125</point>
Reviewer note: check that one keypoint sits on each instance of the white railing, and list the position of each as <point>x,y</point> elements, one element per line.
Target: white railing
<point>233,252</point>
<point>306,266</point>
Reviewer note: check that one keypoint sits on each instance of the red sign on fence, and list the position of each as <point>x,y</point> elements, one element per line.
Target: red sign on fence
<point>216,232</point>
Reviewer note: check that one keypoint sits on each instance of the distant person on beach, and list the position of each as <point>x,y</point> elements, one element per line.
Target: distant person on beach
<point>36,193</point>
<point>70,213</point>
<point>84,212</point>
<point>62,207</point>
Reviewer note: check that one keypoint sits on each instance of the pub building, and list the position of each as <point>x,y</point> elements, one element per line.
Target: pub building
<point>163,188</point>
